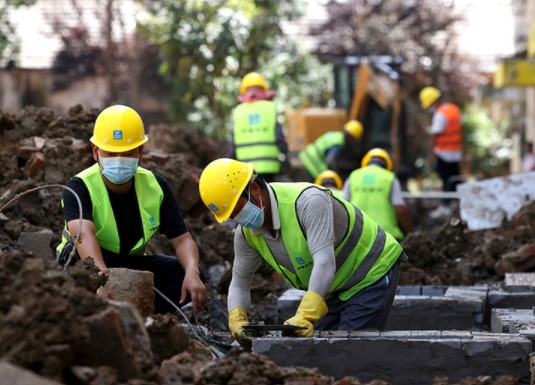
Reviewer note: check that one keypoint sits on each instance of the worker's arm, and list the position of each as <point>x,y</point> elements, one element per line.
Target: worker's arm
<point>404,219</point>
<point>331,154</point>
<point>187,254</point>
<point>87,245</point>
<point>281,139</point>
<point>403,214</point>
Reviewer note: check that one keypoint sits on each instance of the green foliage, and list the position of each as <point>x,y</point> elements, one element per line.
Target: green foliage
<point>9,42</point>
<point>485,143</point>
<point>207,46</point>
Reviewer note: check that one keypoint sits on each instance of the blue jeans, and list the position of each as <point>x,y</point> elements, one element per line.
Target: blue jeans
<point>368,309</point>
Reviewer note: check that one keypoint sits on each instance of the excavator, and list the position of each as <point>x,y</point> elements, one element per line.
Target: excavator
<point>368,89</point>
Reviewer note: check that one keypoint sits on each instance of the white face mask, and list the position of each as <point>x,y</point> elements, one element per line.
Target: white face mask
<point>118,169</point>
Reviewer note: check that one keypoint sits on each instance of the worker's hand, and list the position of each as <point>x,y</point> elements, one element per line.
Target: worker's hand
<point>311,309</point>
<point>193,286</point>
<point>237,319</point>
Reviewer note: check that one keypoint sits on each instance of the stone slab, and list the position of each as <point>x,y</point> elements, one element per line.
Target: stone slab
<point>506,300</point>
<point>401,360</point>
<point>519,282</point>
<point>435,313</point>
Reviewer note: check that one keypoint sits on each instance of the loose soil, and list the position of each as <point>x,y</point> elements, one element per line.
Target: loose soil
<point>44,311</point>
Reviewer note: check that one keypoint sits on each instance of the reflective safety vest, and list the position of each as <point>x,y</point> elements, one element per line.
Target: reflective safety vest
<point>365,254</point>
<point>370,188</point>
<point>149,196</point>
<point>255,137</point>
<point>451,138</point>
<point>313,155</point>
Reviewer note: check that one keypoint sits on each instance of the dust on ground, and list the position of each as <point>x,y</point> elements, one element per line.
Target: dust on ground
<point>53,324</point>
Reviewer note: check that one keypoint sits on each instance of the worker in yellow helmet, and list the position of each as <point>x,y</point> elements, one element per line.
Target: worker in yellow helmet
<point>321,154</point>
<point>256,135</point>
<point>376,190</point>
<point>447,134</point>
<point>331,180</point>
<point>346,263</point>
<point>124,206</point>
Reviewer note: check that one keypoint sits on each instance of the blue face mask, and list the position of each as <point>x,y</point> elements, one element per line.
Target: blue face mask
<point>250,215</point>
<point>118,169</point>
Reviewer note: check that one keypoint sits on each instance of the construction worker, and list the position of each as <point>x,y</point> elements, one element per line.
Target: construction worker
<point>374,189</point>
<point>447,130</point>
<point>123,207</point>
<point>348,265</point>
<point>256,135</point>
<point>319,155</point>
<point>331,180</point>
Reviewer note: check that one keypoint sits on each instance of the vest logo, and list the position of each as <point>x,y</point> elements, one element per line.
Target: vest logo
<point>254,119</point>
<point>369,179</point>
<point>300,260</point>
<point>153,224</point>
<point>117,134</point>
<point>213,207</point>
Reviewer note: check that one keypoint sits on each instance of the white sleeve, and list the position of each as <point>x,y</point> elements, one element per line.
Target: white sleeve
<point>439,123</point>
<point>315,212</point>
<point>322,276</point>
<point>346,194</point>
<point>246,261</point>
<point>395,194</point>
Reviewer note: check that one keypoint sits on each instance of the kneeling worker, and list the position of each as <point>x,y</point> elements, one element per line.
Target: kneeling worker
<point>374,189</point>
<point>348,265</point>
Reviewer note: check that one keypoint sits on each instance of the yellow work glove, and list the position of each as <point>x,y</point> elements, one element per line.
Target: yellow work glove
<point>311,309</point>
<point>237,319</point>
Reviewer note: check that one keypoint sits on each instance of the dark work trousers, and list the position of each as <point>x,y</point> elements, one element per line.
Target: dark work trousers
<point>368,309</point>
<point>168,276</point>
<point>448,171</point>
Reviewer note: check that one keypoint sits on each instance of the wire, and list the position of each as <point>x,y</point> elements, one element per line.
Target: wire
<point>217,353</point>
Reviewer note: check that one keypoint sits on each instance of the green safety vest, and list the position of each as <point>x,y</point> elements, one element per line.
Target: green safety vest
<point>313,156</point>
<point>255,137</point>
<point>365,254</point>
<point>370,189</point>
<point>149,196</point>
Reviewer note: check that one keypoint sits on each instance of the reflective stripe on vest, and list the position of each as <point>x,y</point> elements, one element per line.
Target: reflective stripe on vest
<point>313,156</point>
<point>451,138</point>
<point>255,137</point>
<point>364,255</point>
<point>149,196</point>
<point>370,189</point>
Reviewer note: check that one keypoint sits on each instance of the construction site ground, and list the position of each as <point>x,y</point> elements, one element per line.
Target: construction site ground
<point>54,328</point>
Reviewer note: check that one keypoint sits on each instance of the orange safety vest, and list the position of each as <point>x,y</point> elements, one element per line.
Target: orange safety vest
<point>451,138</point>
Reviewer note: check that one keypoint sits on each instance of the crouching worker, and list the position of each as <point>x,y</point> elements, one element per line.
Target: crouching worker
<point>347,264</point>
<point>123,206</point>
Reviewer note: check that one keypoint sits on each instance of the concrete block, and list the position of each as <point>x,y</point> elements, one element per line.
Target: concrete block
<point>499,320</point>
<point>409,290</point>
<point>435,313</point>
<point>401,360</point>
<point>366,334</point>
<point>333,334</point>
<point>425,334</point>
<point>501,299</point>
<point>467,292</point>
<point>288,303</point>
<point>434,290</point>
<point>519,282</point>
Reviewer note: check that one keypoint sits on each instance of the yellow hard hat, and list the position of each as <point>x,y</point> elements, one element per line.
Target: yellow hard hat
<point>429,95</point>
<point>118,129</point>
<point>354,128</point>
<point>221,185</point>
<point>380,153</point>
<point>330,177</point>
<point>253,79</point>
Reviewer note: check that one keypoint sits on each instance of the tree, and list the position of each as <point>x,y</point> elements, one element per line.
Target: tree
<point>207,46</point>
<point>9,42</point>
